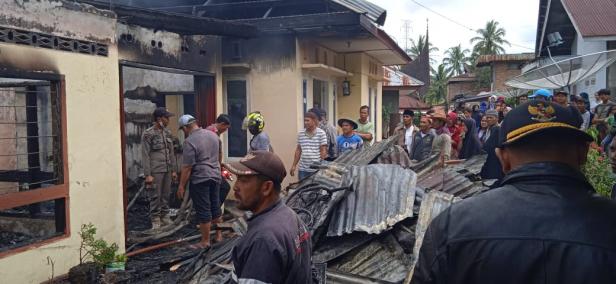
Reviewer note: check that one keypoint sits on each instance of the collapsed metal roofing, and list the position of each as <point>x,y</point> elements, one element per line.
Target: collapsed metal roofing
<point>366,213</point>
<point>381,196</point>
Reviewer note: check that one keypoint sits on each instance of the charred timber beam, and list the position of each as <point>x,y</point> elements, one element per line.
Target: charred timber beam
<point>274,24</point>
<point>178,23</point>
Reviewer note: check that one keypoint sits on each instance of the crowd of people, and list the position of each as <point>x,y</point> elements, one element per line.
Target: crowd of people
<point>276,248</point>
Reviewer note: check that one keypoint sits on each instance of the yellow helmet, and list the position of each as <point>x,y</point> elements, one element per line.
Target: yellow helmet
<point>254,120</point>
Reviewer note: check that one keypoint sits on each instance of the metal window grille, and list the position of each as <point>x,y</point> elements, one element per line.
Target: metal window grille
<point>30,135</point>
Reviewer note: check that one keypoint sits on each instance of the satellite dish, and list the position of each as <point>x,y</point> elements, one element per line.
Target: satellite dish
<point>563,73</point>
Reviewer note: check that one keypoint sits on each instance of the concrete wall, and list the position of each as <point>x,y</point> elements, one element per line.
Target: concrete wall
<point>467,88</point>
<point>93,117</point>
<point>503,71</point>
<point>597,81</point>
<point>274,87</point>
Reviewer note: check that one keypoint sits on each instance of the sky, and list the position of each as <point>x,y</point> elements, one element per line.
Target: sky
<point>518,18</point>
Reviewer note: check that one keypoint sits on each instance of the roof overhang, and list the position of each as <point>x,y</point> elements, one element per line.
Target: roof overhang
<point>326,70</point>
<point>342,32</point>
<point>374,41</point>
<point>400,88</point>
<point>183,24</point>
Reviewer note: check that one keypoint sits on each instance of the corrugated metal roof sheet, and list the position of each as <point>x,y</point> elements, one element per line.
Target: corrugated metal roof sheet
<point>433,204</point>
<point>593,18</point>
<point>373,11</point>
<point>395,156</point>
<point>381,196</point>
<point>382,259</point>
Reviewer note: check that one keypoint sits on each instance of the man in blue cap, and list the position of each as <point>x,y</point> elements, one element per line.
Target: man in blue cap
<point>201,167</point>
<point>542,225</point>
<point>541,94</point>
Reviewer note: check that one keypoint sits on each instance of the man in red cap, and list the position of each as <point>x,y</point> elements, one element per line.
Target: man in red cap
<point>276,248</point>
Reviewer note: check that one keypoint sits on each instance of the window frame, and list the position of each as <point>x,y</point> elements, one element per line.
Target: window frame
<point>226,108</point>
<point>60,191</point>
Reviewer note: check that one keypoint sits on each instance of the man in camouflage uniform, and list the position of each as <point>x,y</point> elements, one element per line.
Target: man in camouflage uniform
<point>159,166</point>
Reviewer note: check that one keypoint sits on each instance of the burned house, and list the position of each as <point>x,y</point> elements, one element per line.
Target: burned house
<point>323,53</point>
<point>78,83</point>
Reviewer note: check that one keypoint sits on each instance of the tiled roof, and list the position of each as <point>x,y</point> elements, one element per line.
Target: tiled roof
<point>592,18</point>
<point>484,60</point>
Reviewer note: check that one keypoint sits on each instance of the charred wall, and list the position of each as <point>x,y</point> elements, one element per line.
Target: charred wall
<point>160,48</point>
<point>267,54</point>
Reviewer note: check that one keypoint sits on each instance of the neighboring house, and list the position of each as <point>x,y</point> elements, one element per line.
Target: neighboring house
<point>77,88</point>
<point>326,54</point>
<point>585,27</point>
<point>465,84</point>
<point>504,67</point>
<point>399,93</point>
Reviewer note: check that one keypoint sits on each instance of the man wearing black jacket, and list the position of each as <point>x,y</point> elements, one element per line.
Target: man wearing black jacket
<point>276,248</point>
<point>492,168</point>
<point>543,225</point>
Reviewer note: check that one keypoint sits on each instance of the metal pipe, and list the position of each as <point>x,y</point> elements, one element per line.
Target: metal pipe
<point>132,202</point>
<point>162,245</point>
<point>345,278</point>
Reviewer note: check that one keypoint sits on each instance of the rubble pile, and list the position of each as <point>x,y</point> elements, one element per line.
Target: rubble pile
<point>366,213</point>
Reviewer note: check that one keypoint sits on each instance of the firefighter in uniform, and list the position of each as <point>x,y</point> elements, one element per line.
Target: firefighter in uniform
<point>159,166</point>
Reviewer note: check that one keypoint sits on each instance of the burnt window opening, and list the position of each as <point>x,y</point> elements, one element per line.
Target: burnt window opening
<point>30,224</point>
<point>33,190</point>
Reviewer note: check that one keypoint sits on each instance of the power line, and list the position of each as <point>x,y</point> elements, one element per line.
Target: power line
<point>460,24</point>
<point>443,16</point>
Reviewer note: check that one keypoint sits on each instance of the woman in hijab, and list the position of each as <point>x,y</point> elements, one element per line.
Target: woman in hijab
<point>471,145</point>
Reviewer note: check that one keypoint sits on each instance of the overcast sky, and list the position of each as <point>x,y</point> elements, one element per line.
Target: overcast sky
<point>518,18</point>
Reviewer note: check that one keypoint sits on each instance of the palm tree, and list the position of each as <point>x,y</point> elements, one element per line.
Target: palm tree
<point>490,40</point>
<point>418,46</point>
<point>438,85</point>
<point>456,60</point>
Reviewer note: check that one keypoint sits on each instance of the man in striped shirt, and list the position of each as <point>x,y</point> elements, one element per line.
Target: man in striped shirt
<point>311,147</point>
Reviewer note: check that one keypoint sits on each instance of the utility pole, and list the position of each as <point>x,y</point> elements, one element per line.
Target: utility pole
<point>406,29</point>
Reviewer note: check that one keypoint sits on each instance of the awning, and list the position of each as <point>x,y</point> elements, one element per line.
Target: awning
<point>326,70</point>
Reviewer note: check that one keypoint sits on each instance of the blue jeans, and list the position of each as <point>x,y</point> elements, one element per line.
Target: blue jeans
<point>605,144</point>
<point>303,174</point>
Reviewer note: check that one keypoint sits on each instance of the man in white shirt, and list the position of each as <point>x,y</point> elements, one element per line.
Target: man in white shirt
<point>311,147</point>
<point>406,131</point>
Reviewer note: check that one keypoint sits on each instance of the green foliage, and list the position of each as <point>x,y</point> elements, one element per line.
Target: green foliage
<point>598,172</point>
<point>437,94</point>
<point>98,250</point>
<point>490,40</point>
<point>457,60</point>
<point>418,46</point>
<point>594,132</point>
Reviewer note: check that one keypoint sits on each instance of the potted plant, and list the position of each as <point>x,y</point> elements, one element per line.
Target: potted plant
<point>94,256</point>
<point>118,264</point>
